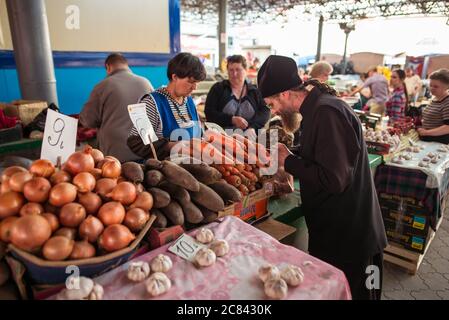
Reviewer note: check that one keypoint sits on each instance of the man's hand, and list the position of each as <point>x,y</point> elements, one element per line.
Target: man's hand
<point>240,122</point>
<point>283,153</point>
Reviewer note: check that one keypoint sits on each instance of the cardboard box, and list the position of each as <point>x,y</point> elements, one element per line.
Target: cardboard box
<point>251,208</point>
<point>409,242</point>
<point>25,110</point>
<point>416,228</point>
<point>418,222</point>
<point>278,230</point>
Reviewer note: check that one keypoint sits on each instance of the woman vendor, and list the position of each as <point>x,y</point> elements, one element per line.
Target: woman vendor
<point>171,107</point>
<point>398,101</point>
<point>236,103</point>
<point>435,117</point>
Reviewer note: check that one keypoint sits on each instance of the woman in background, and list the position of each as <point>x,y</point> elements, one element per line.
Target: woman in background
<point>398,102</point>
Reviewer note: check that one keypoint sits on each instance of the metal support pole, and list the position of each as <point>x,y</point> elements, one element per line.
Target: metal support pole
<point>222,35</point>
<point>320,35</point>
<point>32,49</point>
<point>345,61</point>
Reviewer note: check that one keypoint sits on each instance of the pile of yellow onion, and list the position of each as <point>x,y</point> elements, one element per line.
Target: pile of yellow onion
<point>82,210</point>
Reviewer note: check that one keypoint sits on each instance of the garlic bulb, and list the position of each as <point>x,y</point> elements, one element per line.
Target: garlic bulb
<point>220,247</point>
<point>78,288</point>
<point>96,293</point>
<point>138,271</point>
<point>158,283</point>
<point>205,235</point>
<point>269,272</point>
<point>161,263</point>
<point>276,288</point>
<point>293,275</point>
<point>205,257</point>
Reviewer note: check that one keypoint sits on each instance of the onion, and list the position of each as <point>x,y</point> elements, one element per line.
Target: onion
<point>111,213</point>
<point>121,179</point>
<point>31,208</point>
<point>84,181</point>
<point>5,228</point>
<point>72,214</point>
<point>62,193</point>
<point>10,204</point>
<point>58,248</point>
<point>80,161</point>
<point>30,232</point>
<point>66,232</point>
<point>97,155</point>
<point>37,189</point>
<point>140,188</point>
<point>109,158</point>
<point>111,169</point>
<point>135,219</point>
<point>52,220</point>
<point>82,250</point>
<point>90,201</point>
<point>90,229</point>
<point>96,173</point>
<point>5,187</point>
<point>104,186</point>
<point>143,201</point>
<point>8,172</point>
<point>18,180</point>
<point>124,192</point>
<point>51,209</point>
<point>42,168</point>
<point>60,176</point>
<point>115,237</point>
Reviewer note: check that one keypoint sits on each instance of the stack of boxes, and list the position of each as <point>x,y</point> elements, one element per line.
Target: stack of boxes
<point>407,222</point>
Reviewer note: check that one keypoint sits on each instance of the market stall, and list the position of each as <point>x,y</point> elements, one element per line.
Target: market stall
<point>235,275</point>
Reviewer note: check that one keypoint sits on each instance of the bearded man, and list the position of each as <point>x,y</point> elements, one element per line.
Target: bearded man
<point>337,189</point>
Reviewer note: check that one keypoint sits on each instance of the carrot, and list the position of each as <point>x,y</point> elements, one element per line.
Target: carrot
<point>240,167</point>
<point>251,176</point>
<point>234,170</point>
<point>244,190</point>
<point>208,152</point>
<point>234,180</point>
<point>225,143</point>
<point>248,167</point>
<point>252,188</point>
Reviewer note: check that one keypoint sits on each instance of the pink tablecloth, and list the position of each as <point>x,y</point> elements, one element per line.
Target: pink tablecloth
<point>233,276</point>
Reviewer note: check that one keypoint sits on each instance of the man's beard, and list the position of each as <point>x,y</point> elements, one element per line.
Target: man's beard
<point>291,120</point>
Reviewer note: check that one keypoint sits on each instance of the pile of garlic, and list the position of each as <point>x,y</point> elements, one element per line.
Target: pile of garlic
<point>206,257</point>
<point>157,283</point>
<point>276,281</point>
<point>81,288</point>
<point>382,136</point>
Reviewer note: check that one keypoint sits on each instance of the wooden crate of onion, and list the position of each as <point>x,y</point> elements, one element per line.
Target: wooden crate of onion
<point>82,210</point>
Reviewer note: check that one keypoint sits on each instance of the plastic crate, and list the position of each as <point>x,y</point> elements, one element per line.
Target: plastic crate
<point>11,134</point>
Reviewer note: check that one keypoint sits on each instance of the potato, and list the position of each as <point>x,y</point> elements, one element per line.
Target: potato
<point>191,212</point>
<point>174,213</point>
<point>209,216</point>
<point>132,171</point>
<point>226,191</point>
<point>160,197</point>
<point>153,178</point>
<point>179,176</point>
<point>176,192</point>
<point>208,198</point>
<point>161,220</point>
<point>153,164</point>
<point>203,172</point>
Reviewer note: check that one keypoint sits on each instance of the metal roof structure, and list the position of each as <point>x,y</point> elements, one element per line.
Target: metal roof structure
<point>333,10</point>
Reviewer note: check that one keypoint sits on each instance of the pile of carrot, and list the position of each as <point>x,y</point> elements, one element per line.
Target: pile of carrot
<point>242,176</point>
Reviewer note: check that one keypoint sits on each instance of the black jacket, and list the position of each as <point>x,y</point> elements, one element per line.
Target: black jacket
<point>337,189</point>
<point>220,94</point>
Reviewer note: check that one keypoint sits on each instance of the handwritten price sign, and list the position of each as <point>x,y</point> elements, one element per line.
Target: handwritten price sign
<point>59,136</point>
<point>141,122</point>
<point>186,247</point>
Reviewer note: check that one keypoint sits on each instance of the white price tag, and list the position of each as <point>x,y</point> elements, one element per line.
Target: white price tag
<point>59,136</point>
<point>186,247</point>
<point>141,122</point>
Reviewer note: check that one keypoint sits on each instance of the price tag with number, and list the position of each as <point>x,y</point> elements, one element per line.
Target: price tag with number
<point>186,247</point>
<point>139,118</point>
<point>59,136</point>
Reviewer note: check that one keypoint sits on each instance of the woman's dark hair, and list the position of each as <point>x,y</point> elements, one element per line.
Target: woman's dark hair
<point>186,65</point>
<point>401,74</point>
<point>440,75</point>
<point>237,58</point>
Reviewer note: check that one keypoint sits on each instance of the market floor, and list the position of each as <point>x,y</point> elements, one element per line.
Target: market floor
<point>432,279</point>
